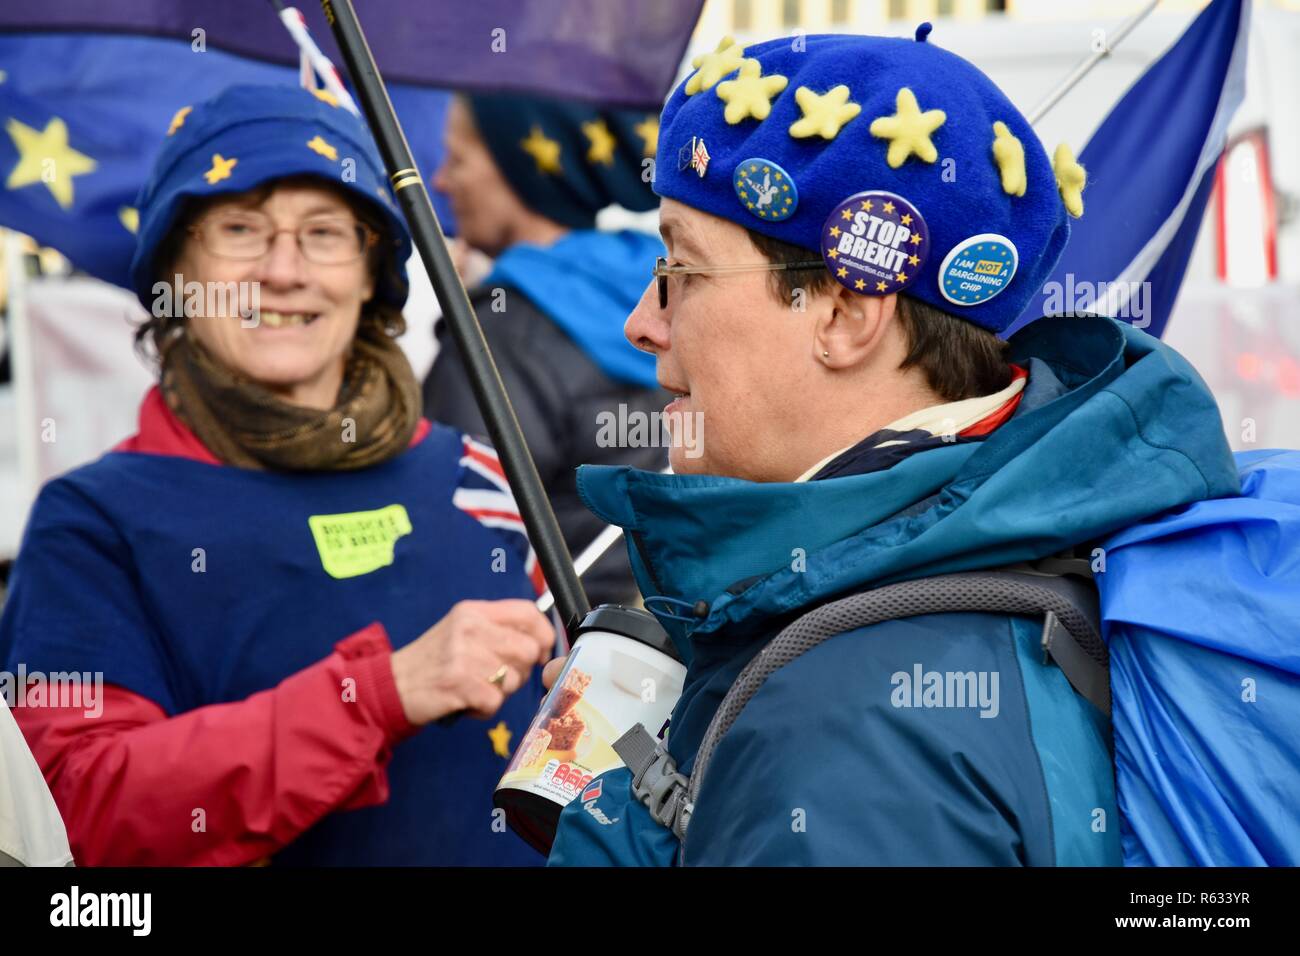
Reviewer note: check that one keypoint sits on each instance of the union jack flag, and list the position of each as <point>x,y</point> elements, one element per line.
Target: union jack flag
<point>484,494</point>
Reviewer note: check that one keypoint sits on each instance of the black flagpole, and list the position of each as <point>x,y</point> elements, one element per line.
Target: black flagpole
<point>503,427</point>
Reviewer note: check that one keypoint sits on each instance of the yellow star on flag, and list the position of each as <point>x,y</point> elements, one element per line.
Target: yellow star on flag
<point>908,130</point>
<point>859,284</point>
<point>220,170</point>
<point>545,152</point>
<point>648,130</point>
<point>318,145</point>
<point>1070,179</point>
<point>823,115</point>
<point>750,93</point>
<point>325,96</point>
<point>602,142</point>
<point>500,736</point>
<point>179,119</point>
<point>711,67</point>
<point>45,156</point>
<point>129,217</point>
<point>1009,154</point>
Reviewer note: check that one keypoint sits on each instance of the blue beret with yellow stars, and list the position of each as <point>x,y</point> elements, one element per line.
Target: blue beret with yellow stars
<point>901,164</point>
<point>249,135</point>
<point>568,160</point>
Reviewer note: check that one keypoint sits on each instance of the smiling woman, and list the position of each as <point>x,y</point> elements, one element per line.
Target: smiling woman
<point>287,573</point>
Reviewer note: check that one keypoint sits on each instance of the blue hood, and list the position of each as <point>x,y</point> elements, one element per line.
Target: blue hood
<point>588,283</point>
<point>1122,427</point>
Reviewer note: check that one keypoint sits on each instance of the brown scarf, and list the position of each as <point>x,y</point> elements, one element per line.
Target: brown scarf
<point>243,424</point>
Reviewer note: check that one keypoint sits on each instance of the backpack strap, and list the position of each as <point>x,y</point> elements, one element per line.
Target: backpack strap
<point>1071,638</point>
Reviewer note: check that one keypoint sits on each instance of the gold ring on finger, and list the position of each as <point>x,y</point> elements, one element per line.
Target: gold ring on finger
<point>499,677</point>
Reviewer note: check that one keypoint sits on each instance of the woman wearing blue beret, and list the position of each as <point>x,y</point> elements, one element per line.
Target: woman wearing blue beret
<point>851,224</point>
<point>269,596</point>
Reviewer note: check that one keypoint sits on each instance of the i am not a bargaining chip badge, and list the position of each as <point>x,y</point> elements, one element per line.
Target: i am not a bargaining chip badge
<point>875,242</point>
<point>978,268</point>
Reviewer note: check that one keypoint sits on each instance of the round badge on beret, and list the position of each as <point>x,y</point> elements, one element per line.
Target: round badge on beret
<point>765,189</point>
<point>978,268</point>
<point>875,242</point>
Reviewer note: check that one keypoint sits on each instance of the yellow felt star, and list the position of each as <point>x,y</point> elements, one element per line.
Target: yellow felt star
<point>545,152</point>
<point>1009,154</point>
<point>908,130</point>
<point>749,94</point>
<point>711,67</point>
<point>45,156</point>
<point>325,96</point>
<point>500,736</point>
<point>129,217</point>
<point>859,284</point>
<point>1070,179</point>
<point>602,142</point>
<point>823,115</point>
<point>648,130</point>
<point>220,170</point>
<point>179,119</point>
<point>318,145</point>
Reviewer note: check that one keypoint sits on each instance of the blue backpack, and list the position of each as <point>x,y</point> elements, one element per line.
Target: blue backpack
<point>1187,634</point>
<point>1201,612</point>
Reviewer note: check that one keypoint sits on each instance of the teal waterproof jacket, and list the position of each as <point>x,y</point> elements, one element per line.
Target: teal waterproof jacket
<point>849,755</point>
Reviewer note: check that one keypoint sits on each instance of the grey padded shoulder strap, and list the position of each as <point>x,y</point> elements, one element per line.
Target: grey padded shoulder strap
<point>1071,631</point>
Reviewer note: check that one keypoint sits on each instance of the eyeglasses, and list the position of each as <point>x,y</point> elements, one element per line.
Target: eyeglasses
<point>663,270</point>
<point>323,241</point>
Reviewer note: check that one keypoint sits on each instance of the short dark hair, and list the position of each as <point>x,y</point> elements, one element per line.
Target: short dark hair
<point>960,360</point>
<point>378,318</point>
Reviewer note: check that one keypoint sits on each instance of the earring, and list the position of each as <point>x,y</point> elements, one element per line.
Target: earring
<point>826,355</point>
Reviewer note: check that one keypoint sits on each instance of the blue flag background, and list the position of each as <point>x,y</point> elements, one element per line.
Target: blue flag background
<point>84,115</point>
<point>1151,170</point>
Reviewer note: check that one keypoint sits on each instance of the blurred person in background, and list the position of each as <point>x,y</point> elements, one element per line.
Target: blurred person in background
<point>283,579</point>
<point>525,178</point>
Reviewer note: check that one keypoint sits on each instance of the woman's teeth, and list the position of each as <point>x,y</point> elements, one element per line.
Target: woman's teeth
<point>278,320</point>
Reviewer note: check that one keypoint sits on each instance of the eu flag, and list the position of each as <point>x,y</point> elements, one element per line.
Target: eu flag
<point>84,115</point>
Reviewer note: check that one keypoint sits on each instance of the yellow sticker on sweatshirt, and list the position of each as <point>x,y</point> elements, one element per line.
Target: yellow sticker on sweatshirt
<point>358,542</point>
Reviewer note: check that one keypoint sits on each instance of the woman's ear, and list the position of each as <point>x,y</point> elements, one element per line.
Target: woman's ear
<point>850,331</point>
